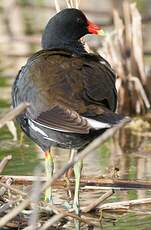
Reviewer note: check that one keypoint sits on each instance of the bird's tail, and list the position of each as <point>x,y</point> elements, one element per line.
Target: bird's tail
<point>106,120</point>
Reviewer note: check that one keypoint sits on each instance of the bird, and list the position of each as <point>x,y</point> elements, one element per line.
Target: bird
<point>71,92</point>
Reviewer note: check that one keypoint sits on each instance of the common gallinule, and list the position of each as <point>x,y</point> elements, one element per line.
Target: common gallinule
<point>72,93</point>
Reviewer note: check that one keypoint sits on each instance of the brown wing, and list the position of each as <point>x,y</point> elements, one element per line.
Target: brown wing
<point>63,119</point>
<point>99,82</point>
<point>61,87</point>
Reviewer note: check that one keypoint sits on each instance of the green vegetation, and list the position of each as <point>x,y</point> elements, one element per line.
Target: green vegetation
<point>24,157</point>
<point>4,104</point>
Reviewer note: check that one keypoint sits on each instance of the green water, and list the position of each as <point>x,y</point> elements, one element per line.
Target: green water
<point>24,157</point>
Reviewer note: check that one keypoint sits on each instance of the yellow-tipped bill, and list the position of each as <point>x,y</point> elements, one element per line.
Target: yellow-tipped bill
<point>101,32</point>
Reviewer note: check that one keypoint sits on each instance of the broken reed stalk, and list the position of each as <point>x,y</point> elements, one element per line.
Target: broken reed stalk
<point>124,50</point>
<point>89,149</point>
<point>13,113</point>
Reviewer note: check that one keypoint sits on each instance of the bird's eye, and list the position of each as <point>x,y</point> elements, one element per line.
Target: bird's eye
<point>79,20</point>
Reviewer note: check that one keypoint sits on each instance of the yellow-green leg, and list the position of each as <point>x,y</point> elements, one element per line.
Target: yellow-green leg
<point>76,203</point>
<point>68,175</point>
<point>77,173</point>
<point>21,139</point>
<point>49,167</point>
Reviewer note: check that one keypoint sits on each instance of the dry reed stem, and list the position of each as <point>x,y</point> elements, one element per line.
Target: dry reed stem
<point>77,3</point>
<point>31,227</point>
<point>97,202</point>
<point>127,21</point>
<point>6,206</point>
<point>14,212</point>
<point>12,129</point>
<point>4,162</point>
<point>57,6</point>
<point>13,113</point>
<point>73,3</point>
<point>85,181</point>
<point>35,198</point>
<point>137,40</point>
<point>13,189</point>
<point>140,90</point>
<point>125,204</point>
<point>60,213</point>
<point>124,50</point>
<point>119,27</point>
<point>68,3</point>
<point>51,221</point>
<point>67,213</point>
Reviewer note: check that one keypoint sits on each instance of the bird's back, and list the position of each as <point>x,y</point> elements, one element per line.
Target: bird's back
<point>63,88</point>
<point>61,77</point>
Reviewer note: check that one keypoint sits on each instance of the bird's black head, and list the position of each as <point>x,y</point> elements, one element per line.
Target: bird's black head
<point>66,28</point>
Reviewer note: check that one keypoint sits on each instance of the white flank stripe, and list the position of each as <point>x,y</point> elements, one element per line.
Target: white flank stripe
<point>36,129</point>
<point>48,127</point>
<point>97,124</point>
<point>48,138</point>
